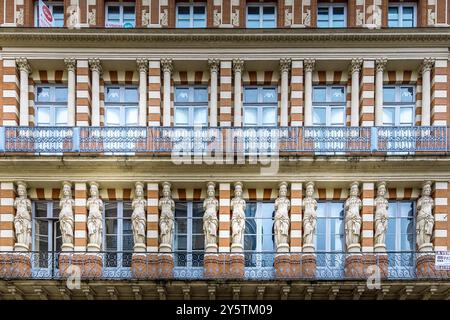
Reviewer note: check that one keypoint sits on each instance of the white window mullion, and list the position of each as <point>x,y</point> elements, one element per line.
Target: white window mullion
<point>189,235</point>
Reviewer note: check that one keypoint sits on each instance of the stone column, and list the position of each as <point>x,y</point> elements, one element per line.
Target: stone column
<point>308,69</point>
<point>142,65</point>
<point>167,67</point>
<point>214,65</point>
<point>96,69</point>
<point>71,65</point>
<point>355,69</point>
<point>426,67</point>
<point>285,66</point>
<point>380,64</point>
<point>25,70</point>
<point>238,67</point>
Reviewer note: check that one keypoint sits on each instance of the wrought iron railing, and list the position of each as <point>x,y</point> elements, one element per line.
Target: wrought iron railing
<point>192,265</point>
<point>225,141</point>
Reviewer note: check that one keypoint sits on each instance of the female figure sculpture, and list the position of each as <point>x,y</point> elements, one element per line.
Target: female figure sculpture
<point>381,218</point>
<point>281,223</point>
<point>237,219</point>
<point>95,221</point>
<point>22,218</point>
<point>138,218</point>
<point>66,220</point>
<point>167,207</point>
<point>309,218</point>
<point>425,219</point>
<point>210,221</point>
<point>353,219</point>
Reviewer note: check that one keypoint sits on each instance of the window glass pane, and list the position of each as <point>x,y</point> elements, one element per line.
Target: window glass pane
<point>180,210</point>
<point>322,17</point>
<point>61,116</point>
<point>407,94</point>
<point>181,116</point>
<point>112,116</point>
<point>388,116</point>
<point>199,23</point>
<point>181,242</point>
<point>337,94</point>
<point>200,95</point>
<point>250,116</point>
<point>319,116</point>
<point>249,241</point>
<point>43,115</point>
<point>336,209</point>
<point>388,94</point>
<point>393,17</point>
<point>111,209</point>
<point>337,116</point>
<point>269,116</point>
<point>127,211</point>
<point>201,116</point>
<point>253,11</point>
<point>408,16</point>
<point>269,24</point>
<point>406,116</point>
<point>198,243</point>
<point>183,23</point>
<point>43,94</point>
<point>338,17</point>
<point>131,116</point>
<point>269,95</point>
<point>112,94</point>
<point>319,94</point>
<point>131,95</point>
<point>253,24</point>
<point>60,94</point>
<point>181,95</point>
<point>250,95</point>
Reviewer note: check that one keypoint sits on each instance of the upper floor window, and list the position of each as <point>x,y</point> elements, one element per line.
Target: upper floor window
<point>402,15</point>
<point>51,105</point>
<point>49,14</point>
<point>121,106</point>
<point>191,106</point>
<point>261,15</point>
<point>120,15</point>
<point>331,15</point>
<point>189,238</point>
<point>398,105</point>
<point>329,105</point>
<point>191,15</point>
<point>260,106</point>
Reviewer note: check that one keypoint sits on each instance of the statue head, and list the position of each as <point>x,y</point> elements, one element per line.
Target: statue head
<point>67,189</point>
<point>94,189</point>
<point>210,189</point>
<point>283,189</point>
<point>21,189</point>
<point>166,189</point>
<point>139,189</point>
<point>309,189</point>
<point>238,189</point>
<point>354,189</point>
<point>381,189</point>
<point>426,188</point>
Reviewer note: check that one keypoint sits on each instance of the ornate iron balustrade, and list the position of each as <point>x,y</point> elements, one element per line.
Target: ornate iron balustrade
<point>191,266</point>
<point>245,141</point>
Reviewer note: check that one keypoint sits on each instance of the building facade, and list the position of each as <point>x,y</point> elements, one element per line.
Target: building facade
<point>294,149</point>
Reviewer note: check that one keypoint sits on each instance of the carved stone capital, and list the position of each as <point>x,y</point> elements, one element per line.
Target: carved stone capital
<point>285,64</point>
<point>23,65</point>
<point>427,65</point>
<point>71,64</point>
<point>238,65</point>
<point>214,64</point>
<point>95,65</point>
<point>355,65</point>
<point>167,65</point>
<point>309,64</point>
<point>380,64</point>
<point>142,64</point>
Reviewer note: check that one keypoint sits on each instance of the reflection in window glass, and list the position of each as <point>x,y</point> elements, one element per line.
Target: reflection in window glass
<point>398,105</point>
<point>329,105</point>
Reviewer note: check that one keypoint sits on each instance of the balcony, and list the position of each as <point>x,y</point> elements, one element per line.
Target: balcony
<point>190,266</point>
<point>246,141</point>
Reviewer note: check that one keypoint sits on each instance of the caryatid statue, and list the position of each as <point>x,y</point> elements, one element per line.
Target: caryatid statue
<point>166,220</point>
<point>95,220</point>
<point>381,218</point>
<point>309,218</point>
<point>22,218</point>
<point>210,221</point>
<point>425,219</point>
<point>66,220</point>
<point>237,219</point>
<point>138,219</point>
<point>282,222</point>
<point>352,208</point>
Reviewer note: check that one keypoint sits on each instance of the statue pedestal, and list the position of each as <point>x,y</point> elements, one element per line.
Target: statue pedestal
<point>308,248</point>
<point>308,264</point>
<point>15,265</point>
<point>92,247</point>
<point>426,268</point>
<point>354,267</point>
<point>20,247</point>
<point>282,265</point>
<point>211,248</point>
<point>354,248</point>
<point>283,248</point>
<point>373,261</point>
<point>380,248</point>
<point>426,247</point>
<point>67,247</point>
<point>237,266</point>
<point>165,248</point>
<point>140,247</point>
<point>211,268</point>
<point>166,266</point>
<point>237,247</point>
<point>87,265</point>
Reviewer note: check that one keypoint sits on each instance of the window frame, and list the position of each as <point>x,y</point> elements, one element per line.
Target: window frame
<point>260,105</point>
<point>330,6</point>
<point>398,105</point>
<point>400,6</point>
<point>50,5</point>
<point>121,6</point>
<point>398,226</point>
<point>261,14</point>
<point>52,105</point>
<point>191,6</point>
<point>329,105</point>
<point>327,220</point>
<point>122,105</point>
<point>191,105</point>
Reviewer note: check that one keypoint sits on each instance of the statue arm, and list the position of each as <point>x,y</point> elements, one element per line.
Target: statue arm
<point>29,204</point>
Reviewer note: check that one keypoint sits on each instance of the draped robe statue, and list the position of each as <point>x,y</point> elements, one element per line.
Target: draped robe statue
<point>381,217</point>
<point>22,219</point>
<point>309,218</point>
<point>66,219</point>
<point>95,219</point>
<point>282,222</point>
<point>425,219</point>
<point>238,206</point>
<point>138,219</point>
<point>166,221</point>
<point>353,222</point>
<point>210,221</point>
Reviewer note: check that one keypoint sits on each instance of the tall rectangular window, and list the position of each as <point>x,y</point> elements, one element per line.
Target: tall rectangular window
<point>120,15</point>
<point>261,15</point>
<point>402,15</point>
<point>191,15</point>
<point>55,14</point>
<point>191,106</point>
<point>51,105</point>
<point>121,106</point>
<point>398,105</point>
<point>260,106</point>
<point>331,15</point>
<point>118,234</point>
<point>189,238</point>
<point>329,105</point>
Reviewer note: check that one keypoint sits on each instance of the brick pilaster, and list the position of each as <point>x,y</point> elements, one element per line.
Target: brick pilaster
<point>296,216</point>
<point>224,217</point>
<point>154,93</point>
<point>80,236</point>
<point>367,214</point>
<point>7,195</point>
<point>225,94</point>
<point>152,216</point>
<point>440,194</point>
<point>439,93</point>
<point>297,93</point>
<point>11,93</point>
<point>83,94</point>
<point>367,94</point>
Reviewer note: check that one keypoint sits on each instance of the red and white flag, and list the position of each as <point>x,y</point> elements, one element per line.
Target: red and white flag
<point>45,15</point>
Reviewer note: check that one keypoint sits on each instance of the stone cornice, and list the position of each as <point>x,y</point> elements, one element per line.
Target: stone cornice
<point>235,37</point>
